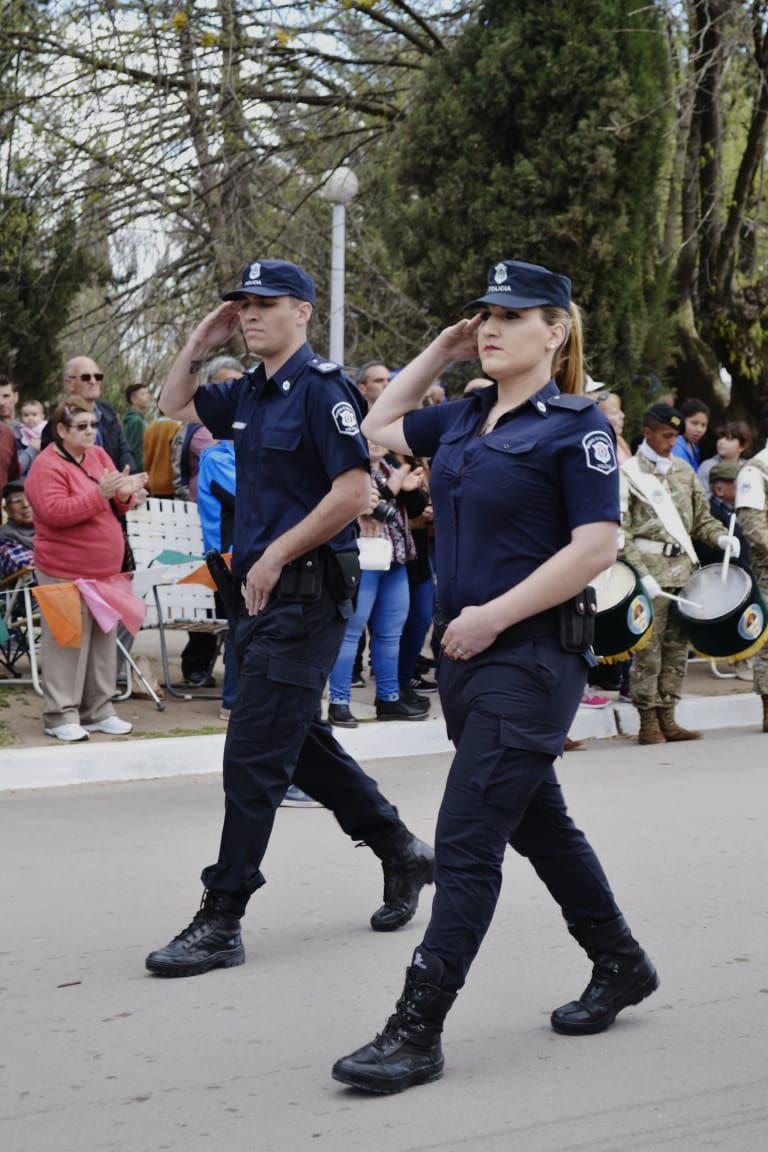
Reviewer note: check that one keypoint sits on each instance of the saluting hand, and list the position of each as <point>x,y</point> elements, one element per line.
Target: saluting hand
<point>471,632</point>
<point>218,326</point>
<point>459,341</point>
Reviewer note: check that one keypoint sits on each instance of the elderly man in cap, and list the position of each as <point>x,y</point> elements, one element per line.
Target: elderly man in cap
<point>663,506</point>
<point>17,534</point>
<point>302,480</point>
<point>752,511</point>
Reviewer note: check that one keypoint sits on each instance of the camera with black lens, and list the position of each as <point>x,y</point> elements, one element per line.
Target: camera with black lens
<point>385,512</point>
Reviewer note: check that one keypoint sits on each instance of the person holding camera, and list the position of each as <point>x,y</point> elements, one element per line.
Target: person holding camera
<point>383,597</point>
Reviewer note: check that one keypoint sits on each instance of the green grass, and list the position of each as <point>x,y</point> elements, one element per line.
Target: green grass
<point>206,730</point>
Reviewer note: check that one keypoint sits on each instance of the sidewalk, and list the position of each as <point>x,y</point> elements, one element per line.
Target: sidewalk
<point>159,745</point>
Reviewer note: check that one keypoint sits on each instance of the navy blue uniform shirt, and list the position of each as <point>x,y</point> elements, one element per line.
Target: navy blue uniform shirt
<point>507,501</point>
<point>294,433</point>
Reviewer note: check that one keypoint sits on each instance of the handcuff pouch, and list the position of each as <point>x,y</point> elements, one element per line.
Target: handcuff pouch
<point>576,619</point>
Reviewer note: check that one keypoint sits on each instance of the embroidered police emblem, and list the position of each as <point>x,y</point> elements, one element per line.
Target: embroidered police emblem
<point>254,271</point>
<point>500,273</point>
<point>598,448</point>
<point>345,418</point>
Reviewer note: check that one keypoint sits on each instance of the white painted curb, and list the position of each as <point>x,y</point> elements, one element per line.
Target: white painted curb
<point>62,765</point>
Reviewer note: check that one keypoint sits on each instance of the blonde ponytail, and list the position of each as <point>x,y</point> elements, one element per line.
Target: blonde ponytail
<point>568,363</point>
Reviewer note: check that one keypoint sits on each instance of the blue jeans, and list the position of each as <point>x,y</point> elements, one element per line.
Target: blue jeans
<point>382,598</point>
<point>420,612</point>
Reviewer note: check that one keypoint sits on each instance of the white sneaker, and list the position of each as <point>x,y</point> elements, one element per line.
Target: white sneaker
<point>67,732</point>
<point>112,725</point>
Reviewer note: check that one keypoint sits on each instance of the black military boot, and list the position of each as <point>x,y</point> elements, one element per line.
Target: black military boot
<point>212,940</point>
<point>622,975</point>
<point>408,1051</point>
<point>405,874</point>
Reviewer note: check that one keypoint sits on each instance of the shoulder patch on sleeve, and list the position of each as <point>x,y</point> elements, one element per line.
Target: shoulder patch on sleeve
<point>345,418</point>
<point>599,451</point>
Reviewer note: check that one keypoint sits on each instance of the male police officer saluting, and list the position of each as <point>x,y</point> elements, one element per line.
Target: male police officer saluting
<point>302,479</point>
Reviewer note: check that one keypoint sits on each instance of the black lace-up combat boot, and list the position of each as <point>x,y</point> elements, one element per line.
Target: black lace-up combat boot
<point>405,874</point>
<point>622,975</point>
<point>408,1051</point>
<point>212,940</point>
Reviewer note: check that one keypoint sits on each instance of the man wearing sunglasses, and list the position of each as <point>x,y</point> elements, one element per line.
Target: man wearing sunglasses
<point>83,377</point>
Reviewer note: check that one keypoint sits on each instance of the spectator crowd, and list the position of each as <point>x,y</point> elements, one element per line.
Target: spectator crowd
<point>67,480</point>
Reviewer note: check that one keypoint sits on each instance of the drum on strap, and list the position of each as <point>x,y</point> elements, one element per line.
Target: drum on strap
<point>624,619</point>
<point>732,620</point>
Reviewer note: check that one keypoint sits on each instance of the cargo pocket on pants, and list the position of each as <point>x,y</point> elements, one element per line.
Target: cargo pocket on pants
<point>516,773</point>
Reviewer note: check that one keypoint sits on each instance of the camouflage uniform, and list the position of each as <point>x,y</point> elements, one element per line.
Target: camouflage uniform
<point>754,524</point>
<point>658,670</point>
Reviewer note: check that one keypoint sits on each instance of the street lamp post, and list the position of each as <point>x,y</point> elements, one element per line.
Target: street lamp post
<point>338,189</point>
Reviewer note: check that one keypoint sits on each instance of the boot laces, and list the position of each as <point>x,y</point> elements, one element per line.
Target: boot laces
<point>399,1027</point>
<point>197,927</point>
<point>201,923</point>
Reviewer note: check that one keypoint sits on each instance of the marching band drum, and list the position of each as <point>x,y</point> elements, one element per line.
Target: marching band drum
<point>725,619</point>
<point>624,618</point>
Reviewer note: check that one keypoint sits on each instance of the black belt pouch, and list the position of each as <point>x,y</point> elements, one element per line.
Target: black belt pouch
<point>301,581</point>
<point>343,573</point>
<point>576,619</point>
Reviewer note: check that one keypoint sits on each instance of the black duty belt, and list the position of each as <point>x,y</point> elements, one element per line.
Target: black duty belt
<point>536,627</point>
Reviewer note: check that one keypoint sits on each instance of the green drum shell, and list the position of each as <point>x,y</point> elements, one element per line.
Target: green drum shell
<point>734,633</point>
<point>626,625</point>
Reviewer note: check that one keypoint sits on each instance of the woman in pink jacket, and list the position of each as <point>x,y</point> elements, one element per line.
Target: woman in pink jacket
<point>76,495</point>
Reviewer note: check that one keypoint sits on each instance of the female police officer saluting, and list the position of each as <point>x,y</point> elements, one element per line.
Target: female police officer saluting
<point>525,491</point>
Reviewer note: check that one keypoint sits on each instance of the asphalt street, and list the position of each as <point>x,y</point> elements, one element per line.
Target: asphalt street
<point>97,1056</point>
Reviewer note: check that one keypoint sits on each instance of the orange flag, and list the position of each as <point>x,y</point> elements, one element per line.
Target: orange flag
<point>203,576</point>
<point>60,605</point>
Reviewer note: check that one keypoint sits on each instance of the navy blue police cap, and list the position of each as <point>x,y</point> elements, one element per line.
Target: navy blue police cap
<point>274,278</point>
<point>663,414</point>
<point>513,284</point>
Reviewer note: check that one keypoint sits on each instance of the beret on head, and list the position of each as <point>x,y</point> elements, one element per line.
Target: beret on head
<point>664,414</point>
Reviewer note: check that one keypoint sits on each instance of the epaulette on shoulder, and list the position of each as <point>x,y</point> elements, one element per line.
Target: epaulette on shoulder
<point>575,403</point>
<point>325,366</point>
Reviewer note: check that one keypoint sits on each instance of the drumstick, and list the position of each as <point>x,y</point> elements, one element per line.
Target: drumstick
<point>727,555</point>
<point>680,600</point>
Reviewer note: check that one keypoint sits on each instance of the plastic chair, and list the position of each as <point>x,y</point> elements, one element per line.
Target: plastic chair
<point>167,533</point>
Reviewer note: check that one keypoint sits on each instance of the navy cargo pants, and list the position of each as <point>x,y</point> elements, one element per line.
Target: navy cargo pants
<point>508,712</point>
<point>275,737</point>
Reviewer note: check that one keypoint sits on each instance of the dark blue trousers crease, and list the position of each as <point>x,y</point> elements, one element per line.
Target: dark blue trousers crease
<point>508,712</point>
<point>275,737</point>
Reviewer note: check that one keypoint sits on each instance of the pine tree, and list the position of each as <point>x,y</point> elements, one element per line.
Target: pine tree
<point>541,136</point>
